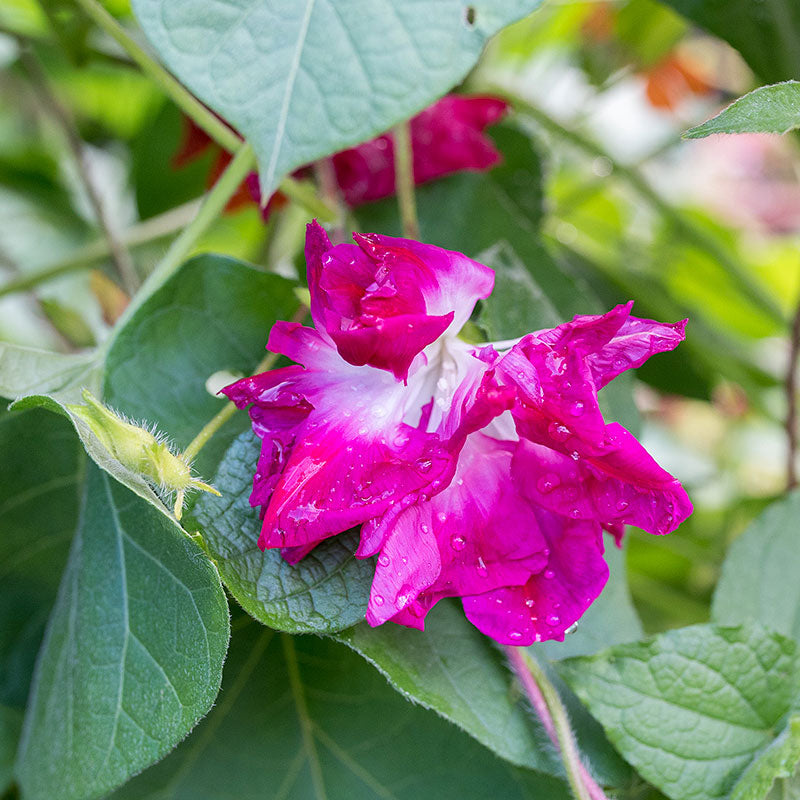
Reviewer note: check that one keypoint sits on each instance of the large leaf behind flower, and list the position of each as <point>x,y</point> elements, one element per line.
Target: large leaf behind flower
<point>692,709</point>
<point>213,314</point>
<point>301,79</point>
<point>759,576</point>
<point>301,718</point>
<point>133,653</point>
<point>326,592</point>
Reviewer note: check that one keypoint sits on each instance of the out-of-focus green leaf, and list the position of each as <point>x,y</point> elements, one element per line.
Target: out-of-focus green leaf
<point>767,34</point>
<point>302,80</point>
<point>454,670</point>
<point>759,575</point>
<point>160,184</point>
<point>326,592</point>
<point>692,708</point>
<point>302,717</point>
<point>648,29</point>
<point>69,323</point>
<point>768,109</point>
<point>133,653</point>
<point>10,727</point>
<point>213,315</point>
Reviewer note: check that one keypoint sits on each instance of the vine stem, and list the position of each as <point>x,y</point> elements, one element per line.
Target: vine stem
<point>404,179</point>
<point>224,136</point>
<point>229,409</point>
<point>791,401</point>
<point>545,700</point>
<point>211,208</point>
<point>63,119</point>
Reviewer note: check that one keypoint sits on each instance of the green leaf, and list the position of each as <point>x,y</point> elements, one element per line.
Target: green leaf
<point>691,708</point>
<point>10,726</point>
<point>326,592</point>
<point>454,670</point>
<point>777,761</point>
<point>40,472</point>
<point>759,575</point>
<point>767,34</point>
<point>213,315</point>
<point>768,109</point>
<point>303,80</point>
<point>133,653</point>
<point>302,718</point>
<point>26,371</point>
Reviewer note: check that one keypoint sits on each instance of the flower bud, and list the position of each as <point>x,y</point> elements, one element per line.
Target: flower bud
<point>140,450</point>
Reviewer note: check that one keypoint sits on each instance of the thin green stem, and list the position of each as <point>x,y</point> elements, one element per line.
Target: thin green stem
<point>546,702</point>
<point>229,409</point>
<point>183,98</point>
<point>85,257</point>
<point>404,179</point>
<point>62,118</point>
<point>684,227</point>
<point>211,208</point>
<point>192,107</point>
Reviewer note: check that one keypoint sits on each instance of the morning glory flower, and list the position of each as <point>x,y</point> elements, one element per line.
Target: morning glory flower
<point>481,472</point>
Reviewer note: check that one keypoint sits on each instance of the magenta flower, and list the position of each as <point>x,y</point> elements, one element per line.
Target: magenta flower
<point>486,473</point>
<point>446,137</point>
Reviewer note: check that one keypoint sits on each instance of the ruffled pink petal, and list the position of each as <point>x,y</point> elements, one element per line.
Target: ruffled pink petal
<point>552,600</point>
<point>484,532</point>
<point>557,399</point>
<point>614,342</point>
<point>382,300</point>
<point>336,478</point>
<point>634,343</point>
<point>409,561</point>
<point>620,485</point>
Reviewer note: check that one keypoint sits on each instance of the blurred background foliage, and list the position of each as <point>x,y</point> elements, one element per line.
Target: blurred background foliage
<point>600,196</point>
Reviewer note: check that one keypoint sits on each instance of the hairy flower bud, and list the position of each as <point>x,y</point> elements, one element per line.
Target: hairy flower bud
<point>140,450</point>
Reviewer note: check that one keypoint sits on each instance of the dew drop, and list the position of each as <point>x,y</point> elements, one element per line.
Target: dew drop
<point>558,431</point>
<point>548,482</point>
<point>482,570</point>
<point>458,542</point>
<point>378,600</point>
<point>425,465</point>
<point>575,513</point>
<point>572,628</point>
<point>553,620</point>
<point>362,431</point>
<point>515,636</point>
<point>576,409</point>
<point>383,560</point>
<point>549,574</point>
<point>622,505</point>
<point>441,516</point>
<point>529,603</point>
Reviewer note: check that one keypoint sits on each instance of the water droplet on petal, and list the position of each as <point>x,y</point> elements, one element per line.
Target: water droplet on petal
<point>441,516</point>
<point>529,603</point>
<point>622,505</point>
<point>549,574</point>
<point>576,409</point>
<point>383,560</point>
<point>558,431</point>
<point>548,482</point>
<point>575,513</point>
<point>378,600</point>
<point>515,636</point>
<point>572,628</point>
<point>482,569</point>
<point>553,620</point>
<point>458,542</point>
